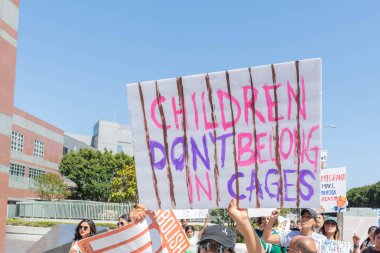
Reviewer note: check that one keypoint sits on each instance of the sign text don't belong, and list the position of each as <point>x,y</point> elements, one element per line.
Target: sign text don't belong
<point>251,134</point>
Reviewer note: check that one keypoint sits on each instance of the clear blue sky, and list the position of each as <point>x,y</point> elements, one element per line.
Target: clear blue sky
<point>75,57</point>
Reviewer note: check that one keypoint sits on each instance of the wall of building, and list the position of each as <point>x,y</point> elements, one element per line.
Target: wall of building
<point>9,12</point>
<point>112,136</point>
<point>73,144</point>
<point>36,147</point>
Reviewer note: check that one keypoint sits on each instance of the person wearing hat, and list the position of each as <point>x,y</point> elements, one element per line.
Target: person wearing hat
<point>217,238</point>
<point>221,239</point>
<point>308,221</point>
<point>330,229</point>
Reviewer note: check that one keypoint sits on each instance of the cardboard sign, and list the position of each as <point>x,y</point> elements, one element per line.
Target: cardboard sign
<point>358,225</point>
<point>191,213</point>
<point>252,134</point>
<point>159,232</point>
<point>260,212</point>
<point>329,246</point>
<point>333,190</point>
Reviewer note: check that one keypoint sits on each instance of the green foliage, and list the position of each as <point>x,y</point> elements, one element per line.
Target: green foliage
<point>284,211</point>
<point>27,223</point>
<point>93,172</point>
<point>124,185</point>
<point>365,196</point>
<point>50,186</point>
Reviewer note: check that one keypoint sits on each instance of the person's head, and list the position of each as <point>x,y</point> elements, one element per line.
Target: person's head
<point>217,239</point>
<point>184,222</point>
<point>371,230</point>
<point>123,220</point>
<point>308,218</point>
<point>189,230</point>
<point>85,228</point>
<point>302,244</point>
<point>376,238</point>
<point>262,221</point>
<point>330,228</point>
<point>320,220</point>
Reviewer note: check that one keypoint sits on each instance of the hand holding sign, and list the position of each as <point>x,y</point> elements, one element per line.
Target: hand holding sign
<point>275,214</point>
<point>240,216</point>
<point>138,213</point>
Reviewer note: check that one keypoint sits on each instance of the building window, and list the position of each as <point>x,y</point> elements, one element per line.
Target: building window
<point>119,148</point>
<point>38,149</point>
<point>35,173</point>
<point>17,141</point>
<point>16,171</point>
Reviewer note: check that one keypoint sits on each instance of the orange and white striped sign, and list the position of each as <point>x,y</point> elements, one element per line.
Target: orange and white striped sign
<point>159,232</point>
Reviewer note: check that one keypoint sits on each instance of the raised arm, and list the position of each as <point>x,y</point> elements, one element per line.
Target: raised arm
<point>356,241</point>
<point>240,216</point>
<point>200,233</point>
<point>268,237</point>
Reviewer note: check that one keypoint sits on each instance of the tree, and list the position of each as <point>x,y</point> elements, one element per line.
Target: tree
<point>365,196</point>
<point>124,185</point>
<point>50,186</point>
<point>93,172</point>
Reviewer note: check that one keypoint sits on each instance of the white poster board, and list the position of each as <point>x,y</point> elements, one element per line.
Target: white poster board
<point>333,190</point>
<point>330,246</point>
<point>260,212</point>
<point>252,134</point>
<point>159,232</point>
<point>358,225</point>
<point>191,213</point>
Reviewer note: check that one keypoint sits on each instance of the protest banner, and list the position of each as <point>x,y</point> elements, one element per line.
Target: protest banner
<point>333,190</point>
<point>159,232</point>
<point>191,213</point>
<point>330,246</point>
<point>252,134</point>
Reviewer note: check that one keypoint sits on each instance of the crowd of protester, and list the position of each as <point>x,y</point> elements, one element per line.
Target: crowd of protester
<point>265,238</point>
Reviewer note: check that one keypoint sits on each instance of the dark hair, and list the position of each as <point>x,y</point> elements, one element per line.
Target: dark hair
<point>77,235</point>
<point>125,217</point>
<point>366,241</point>
<point>189,227</point>
<point>336,236</point>
<point>376,232</point>
<point>260,220</point>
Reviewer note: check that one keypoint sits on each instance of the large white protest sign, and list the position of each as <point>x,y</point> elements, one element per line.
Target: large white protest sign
<point>330,246</point>
<point>251,134</point>
<point>159,232</point>
<point>333,190</point>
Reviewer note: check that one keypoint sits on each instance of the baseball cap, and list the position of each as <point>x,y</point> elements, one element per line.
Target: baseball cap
<point>221,234</point>
<point>330,218</point>
<point>311,211</point>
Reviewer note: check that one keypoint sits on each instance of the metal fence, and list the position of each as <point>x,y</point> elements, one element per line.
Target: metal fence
<point>71,209</point>
<point>11,210</point>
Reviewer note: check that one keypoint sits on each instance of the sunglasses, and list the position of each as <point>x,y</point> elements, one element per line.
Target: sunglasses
<point>83,227</point>
<point>214,246</point>
<point>120,224</point>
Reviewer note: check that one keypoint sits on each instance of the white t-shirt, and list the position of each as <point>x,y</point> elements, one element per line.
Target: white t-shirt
<point>193,243</point>
<point>285,237</point>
